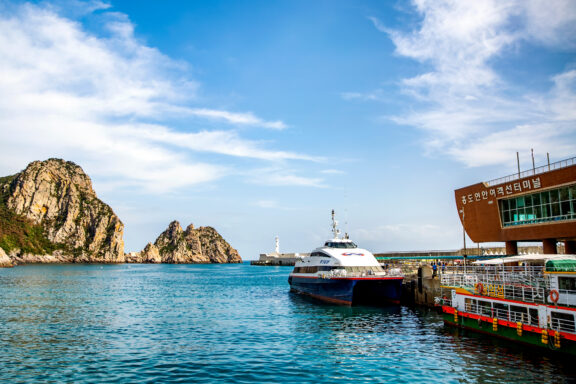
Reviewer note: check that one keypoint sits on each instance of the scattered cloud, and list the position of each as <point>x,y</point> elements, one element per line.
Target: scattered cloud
<point>237,118</point>
<point>465,104</point>
<point>333,172</point>
<point>284,177</point>
<point>376,95</point>
<point>106,101</point>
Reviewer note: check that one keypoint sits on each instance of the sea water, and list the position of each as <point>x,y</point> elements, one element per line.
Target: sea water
<point>230,323</point>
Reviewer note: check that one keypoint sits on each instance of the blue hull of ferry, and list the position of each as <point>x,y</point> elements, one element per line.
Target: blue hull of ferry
<point>349,291</point>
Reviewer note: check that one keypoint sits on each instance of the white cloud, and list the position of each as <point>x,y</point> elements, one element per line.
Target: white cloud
<point>237,118</point>
<point>333,172</point>
<point>283,177</point>
<point>102,101</point>
<point>377,95</point>
<point>465,104</point>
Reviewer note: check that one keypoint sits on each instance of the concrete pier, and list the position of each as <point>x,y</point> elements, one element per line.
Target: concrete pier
<point>422,288</point>
<point>281,259</point>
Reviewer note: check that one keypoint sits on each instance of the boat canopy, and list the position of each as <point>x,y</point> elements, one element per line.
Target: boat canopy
<point>563,265</point>
<point>525,259</point>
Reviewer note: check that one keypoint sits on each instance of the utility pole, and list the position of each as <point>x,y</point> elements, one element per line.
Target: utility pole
<point>463,234</point>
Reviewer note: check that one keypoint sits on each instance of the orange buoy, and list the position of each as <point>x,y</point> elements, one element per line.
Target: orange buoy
<point>479,288</point>
<point>554,296</point>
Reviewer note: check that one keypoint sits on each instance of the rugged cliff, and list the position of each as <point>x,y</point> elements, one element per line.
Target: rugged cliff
<point>178,246</point>
<point>51,213</point>
<point>5,261</point>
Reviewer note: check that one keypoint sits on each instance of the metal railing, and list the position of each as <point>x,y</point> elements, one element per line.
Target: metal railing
<point>532,172</point>
<point>522,283</point>
<point>511,315</point>
<point>527,283</point>
<point>340,273</point>
<point>563,325</point>
<point>567,297</point>
<point>471,275</point>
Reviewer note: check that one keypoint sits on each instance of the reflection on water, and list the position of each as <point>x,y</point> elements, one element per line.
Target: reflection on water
<point>232,323</point>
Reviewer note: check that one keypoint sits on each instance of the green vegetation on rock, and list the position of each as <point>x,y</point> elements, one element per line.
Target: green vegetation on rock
<point>18,232</point>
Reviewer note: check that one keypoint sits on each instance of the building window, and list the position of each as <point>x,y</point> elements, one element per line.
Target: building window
<point>553,205</point>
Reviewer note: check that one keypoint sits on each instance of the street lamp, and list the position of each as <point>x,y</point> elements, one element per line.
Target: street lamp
<point>463,234</point>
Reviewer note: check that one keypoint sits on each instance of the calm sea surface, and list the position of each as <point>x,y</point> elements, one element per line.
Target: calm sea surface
<point>229,323</point>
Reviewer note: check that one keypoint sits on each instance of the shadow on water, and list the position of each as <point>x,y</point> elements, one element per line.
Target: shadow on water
<point>546,365</point>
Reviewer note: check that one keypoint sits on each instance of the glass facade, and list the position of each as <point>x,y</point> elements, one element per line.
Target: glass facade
<point>551,205</point>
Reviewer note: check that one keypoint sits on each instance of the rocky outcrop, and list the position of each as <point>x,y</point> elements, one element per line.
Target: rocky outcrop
<point>195,246</point>
<point>5,261</point>
<point>149,254</point>
<point>58,195</point>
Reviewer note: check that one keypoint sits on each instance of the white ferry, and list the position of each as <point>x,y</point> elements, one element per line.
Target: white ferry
<point>341,273</point>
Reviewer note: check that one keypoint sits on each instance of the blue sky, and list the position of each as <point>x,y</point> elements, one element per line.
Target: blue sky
<point>259,117</point>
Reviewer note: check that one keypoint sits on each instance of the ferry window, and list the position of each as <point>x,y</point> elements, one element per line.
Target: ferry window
<point>501,310</point>
<point>562,321</point>
<point>484,308</point>
<point>533,316</point>
<point>519,314</point>
<point>567,283</point>
<point>471,305</point>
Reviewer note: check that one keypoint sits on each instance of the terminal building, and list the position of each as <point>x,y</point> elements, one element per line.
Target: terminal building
<point>538,205</point>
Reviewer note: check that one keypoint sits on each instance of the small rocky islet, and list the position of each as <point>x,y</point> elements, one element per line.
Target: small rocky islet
<point>50,213</point>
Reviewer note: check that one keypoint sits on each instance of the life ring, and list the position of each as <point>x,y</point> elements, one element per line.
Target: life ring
<point>554,296</point>
<point>479,288</point>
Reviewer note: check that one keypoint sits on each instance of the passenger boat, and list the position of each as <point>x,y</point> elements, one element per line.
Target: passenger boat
<point>527,299</point>
<point>341,273</point>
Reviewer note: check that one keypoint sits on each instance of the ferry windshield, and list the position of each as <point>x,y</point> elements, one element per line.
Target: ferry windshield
<point>340,244</point>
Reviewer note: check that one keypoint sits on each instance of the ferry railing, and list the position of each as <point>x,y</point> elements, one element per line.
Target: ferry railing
<point>532,172</point>
<point>563,325</point>
<point>508,314</point>
<point>567,297</point>
<point>526,283</point>
<point>395,272</point>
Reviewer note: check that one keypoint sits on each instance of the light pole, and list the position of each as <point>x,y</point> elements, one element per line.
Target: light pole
<point>463,234</point>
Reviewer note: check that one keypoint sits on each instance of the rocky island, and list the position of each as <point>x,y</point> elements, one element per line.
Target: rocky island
<point>177,246</point>
<point>49,213</point>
